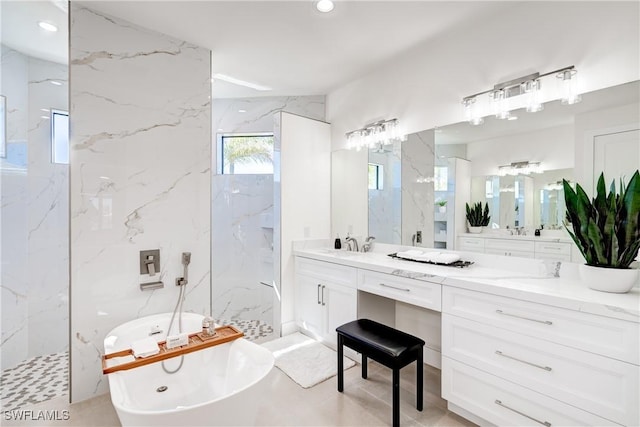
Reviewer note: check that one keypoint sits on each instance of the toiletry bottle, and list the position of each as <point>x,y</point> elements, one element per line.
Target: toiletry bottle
<point>338,243</point>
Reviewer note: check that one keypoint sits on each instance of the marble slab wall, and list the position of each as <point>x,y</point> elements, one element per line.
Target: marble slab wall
<point>243,213</point>
<point>140,179</point>
<point>418,204</point>
<point>35,213</point>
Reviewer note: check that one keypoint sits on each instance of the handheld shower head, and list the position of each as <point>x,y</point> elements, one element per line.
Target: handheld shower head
<point>186,258</point>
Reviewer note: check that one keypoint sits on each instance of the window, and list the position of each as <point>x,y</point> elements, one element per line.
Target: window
<point>375,176</point>
<point>245,154</point>
<point>59,136</point>
<point>440,178</point>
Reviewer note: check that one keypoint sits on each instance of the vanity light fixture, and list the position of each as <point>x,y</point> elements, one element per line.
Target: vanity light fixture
<point>520,168</point>
<point>524,92</point>
<point>382,132</point>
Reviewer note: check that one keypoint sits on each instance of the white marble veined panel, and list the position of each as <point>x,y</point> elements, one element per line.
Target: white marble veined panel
<point>242,256</point>
<point>418,161</point>
<point>140,179</point>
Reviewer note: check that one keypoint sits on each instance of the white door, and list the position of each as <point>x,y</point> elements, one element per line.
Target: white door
<point>340,307</point>
<point>617,155</point>
<point>309,308</point>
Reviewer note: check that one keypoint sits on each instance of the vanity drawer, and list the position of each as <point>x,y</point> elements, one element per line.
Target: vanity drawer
<point>606,336</point>
<point>416,292</point>
<point>588,381</point>
<point>510,245</point>
<point>504,403</point>
<point>472,244</point>
<point>327,271</point>
<point>510,252</point>
<point>553,248</point>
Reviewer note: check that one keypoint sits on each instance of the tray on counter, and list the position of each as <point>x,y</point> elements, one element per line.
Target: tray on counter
<point>459,263</point>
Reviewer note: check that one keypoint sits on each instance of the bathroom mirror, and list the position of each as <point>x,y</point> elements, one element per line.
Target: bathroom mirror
<point>556,137</point>
<point>400,190</point>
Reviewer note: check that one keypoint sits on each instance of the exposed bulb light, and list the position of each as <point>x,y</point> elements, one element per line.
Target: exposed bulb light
<point>471,111</point>
<point>324,6</point>
<point>569,83</point>
<point>47,26</point>
<point>379,133</point>
<point>531,89</point>
<point>524,92</point>
<point>520,168</point>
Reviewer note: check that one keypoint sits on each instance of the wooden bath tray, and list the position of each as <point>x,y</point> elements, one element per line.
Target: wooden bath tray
<point>196,342</point>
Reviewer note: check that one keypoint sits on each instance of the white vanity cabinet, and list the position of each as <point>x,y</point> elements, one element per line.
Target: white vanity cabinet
<point>326,297</point>
<point>524,247</point>
<point>515,362</point>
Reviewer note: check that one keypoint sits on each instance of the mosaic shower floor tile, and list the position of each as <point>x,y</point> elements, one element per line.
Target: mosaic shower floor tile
<point>35,380</point>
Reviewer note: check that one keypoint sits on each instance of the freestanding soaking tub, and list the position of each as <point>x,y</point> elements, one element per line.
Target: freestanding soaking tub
<point>220,385</point>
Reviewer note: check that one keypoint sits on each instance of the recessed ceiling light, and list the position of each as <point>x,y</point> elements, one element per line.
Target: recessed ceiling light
<point>46,110</point>
<point>512,118</point>
<point>45,117</point>
<point>55,82</point>
<point>47,26</point>
<point>242,111</point>
<point>324,6</point>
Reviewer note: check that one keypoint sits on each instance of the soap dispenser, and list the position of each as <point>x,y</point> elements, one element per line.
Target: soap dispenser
<point>338,243</point>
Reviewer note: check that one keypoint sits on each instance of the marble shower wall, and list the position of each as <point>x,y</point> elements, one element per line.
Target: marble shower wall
<point>243,213</point>
<point>140,179</point>
<point>35,213</point>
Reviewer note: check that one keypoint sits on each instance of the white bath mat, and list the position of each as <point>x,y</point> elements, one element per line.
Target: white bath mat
<point>305,360</point>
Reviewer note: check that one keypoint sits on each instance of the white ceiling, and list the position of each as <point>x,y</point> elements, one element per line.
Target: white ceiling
<point>286,45</point>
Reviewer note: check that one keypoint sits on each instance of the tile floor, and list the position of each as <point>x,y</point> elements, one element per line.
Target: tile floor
<point>35,380</point>
<point>363,403</point>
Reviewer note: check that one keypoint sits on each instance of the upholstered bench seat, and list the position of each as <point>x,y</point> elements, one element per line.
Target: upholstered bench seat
<point>388,346</point>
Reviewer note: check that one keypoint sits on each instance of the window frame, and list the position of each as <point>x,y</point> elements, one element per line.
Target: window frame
<point>220,148</point>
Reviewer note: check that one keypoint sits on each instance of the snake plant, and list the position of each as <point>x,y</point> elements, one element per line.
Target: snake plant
<point>607,228</point>
<point>476,216</point>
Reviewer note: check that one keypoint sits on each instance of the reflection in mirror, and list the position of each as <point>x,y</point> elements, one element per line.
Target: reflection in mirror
<point>401,200</point>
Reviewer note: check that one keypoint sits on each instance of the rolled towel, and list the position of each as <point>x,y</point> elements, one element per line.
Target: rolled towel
<point>447,258</point>
<point>410,254</point>
<point>431,256</point>
<point>145,347</point>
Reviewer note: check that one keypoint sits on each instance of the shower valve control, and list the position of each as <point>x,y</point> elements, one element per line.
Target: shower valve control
<point>150,262</point>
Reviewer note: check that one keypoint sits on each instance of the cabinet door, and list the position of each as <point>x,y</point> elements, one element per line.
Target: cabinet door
<point>340,306</point>
<point>309,306</point>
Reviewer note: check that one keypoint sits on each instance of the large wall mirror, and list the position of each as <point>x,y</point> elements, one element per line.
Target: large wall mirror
<point>567,140</point>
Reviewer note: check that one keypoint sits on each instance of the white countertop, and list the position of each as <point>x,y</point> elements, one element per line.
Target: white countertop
<point>515,277</point>
<point>529,237</point>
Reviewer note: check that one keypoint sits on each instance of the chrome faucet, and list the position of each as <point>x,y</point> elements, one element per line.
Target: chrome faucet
<point>366,246</point>
<point>352,244</point>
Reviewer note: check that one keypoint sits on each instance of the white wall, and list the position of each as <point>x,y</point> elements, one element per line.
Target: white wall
<point>552,147</point>
<point>302,184</point>
<point>424,86</point>
<point>140,179</point>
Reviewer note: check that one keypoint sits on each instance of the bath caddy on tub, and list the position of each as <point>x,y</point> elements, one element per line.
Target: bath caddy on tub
<point>197,342</point>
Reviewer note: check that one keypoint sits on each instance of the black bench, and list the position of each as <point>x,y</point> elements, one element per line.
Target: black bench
<point>388,346</point>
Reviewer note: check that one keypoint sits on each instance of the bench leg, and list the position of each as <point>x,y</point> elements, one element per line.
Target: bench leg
<point>340,364</point>
<point>419,384</point>
<point>396,397</point>
<point>364,366</point>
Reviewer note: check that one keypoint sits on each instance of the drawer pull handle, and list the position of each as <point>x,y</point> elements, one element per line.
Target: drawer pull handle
<point>544,423</point>
<point>323,286</point>
<point>395,287</point>
<point>318,296</point>
<point>546,322</point>
<point>499,353</point>
<point>555,248</point>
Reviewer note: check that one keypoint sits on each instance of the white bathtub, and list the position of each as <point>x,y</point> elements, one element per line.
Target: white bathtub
<point>220,385</point>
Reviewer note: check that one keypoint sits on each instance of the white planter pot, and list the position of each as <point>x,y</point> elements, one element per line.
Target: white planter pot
<point>475,230</point>
<point>603,279</point>
<point>442,209</point>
